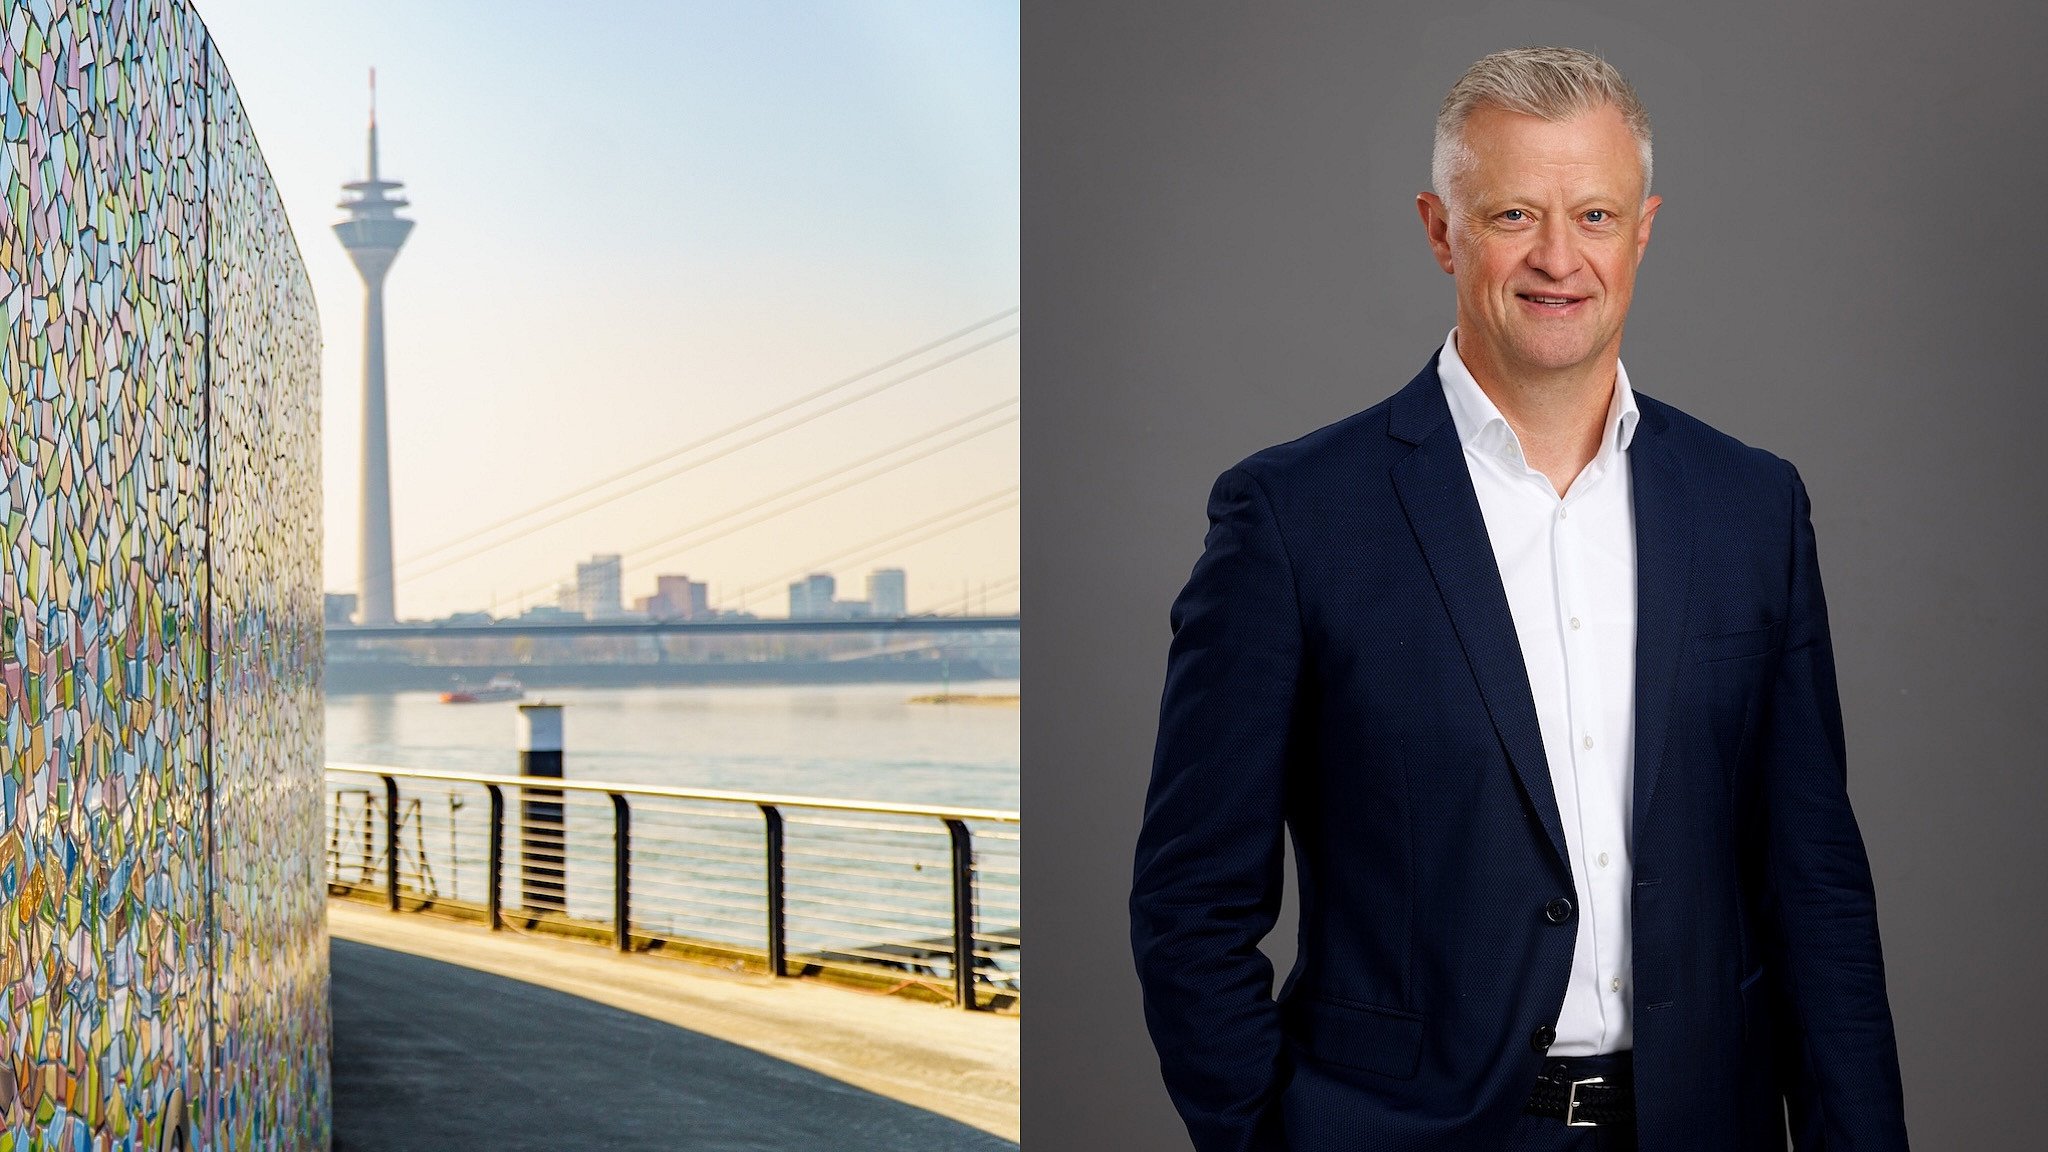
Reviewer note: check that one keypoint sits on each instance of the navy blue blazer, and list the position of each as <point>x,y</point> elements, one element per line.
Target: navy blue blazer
<point>1344,664</point>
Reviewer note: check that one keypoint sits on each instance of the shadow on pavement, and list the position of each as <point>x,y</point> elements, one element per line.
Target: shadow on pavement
<point>431,1057</point>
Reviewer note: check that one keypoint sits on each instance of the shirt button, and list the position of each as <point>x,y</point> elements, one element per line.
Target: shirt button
<point>1560,513</point>
<point>1589,741</point>
<point>1603,859</point>
<point>1614,985</point>
<point>1575,623</point>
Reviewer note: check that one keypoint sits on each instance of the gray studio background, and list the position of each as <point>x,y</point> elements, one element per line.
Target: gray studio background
<point>1850,269</point>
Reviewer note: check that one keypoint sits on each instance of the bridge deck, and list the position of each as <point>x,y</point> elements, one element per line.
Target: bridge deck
<point>450,1037</point>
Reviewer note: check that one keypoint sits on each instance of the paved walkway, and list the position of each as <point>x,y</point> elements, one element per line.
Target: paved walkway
<point>448,1037</point>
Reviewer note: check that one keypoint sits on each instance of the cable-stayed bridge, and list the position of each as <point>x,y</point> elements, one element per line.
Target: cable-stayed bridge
<point>513,628</point>
<point>758,510</point>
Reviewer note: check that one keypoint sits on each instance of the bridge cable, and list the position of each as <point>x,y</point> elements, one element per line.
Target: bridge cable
<point>966,600</point>
<point>742,425</point>
<point>641,549</point>
<point>883,545</point>
<point>728,450</point>
<point>643,561</point>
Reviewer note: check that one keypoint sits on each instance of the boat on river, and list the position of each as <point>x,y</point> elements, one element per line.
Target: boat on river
<point>498,688</point>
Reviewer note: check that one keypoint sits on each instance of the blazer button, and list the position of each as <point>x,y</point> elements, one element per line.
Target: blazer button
<point>1558,911</point>
<point>1543,1038</point>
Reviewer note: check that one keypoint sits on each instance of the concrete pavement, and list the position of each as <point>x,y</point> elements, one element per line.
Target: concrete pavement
<point>449,1037</point>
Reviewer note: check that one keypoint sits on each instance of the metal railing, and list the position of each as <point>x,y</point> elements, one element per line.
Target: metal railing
<point>883,895</point>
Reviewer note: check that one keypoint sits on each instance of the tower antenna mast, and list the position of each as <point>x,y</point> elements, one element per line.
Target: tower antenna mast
<point>373,233</point>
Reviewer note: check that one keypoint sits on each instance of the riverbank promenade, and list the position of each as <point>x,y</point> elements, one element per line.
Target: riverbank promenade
<point>449,1037</point>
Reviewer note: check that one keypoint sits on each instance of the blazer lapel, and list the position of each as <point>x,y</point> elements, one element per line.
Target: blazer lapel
<point>1663,577</point>
<point>1436,494</point>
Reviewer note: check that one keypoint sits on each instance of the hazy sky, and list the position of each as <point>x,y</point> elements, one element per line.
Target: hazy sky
<point>638,224</point>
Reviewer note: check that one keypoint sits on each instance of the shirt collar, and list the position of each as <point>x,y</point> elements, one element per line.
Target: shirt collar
<point>1480,424</point>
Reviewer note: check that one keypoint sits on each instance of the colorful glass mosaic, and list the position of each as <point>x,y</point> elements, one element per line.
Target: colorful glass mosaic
<point>270,904</point>
<point>162,949</point>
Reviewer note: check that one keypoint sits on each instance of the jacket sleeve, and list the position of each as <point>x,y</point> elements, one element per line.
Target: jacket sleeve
<point>1208,878</point>
<point>1840,1061</point>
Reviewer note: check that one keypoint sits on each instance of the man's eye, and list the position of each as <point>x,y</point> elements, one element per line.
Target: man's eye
<point>1514,215</point>
<point>1596,216</point>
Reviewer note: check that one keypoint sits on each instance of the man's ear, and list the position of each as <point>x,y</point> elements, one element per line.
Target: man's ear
<point>1649,216</point>
<point>1436,224</point>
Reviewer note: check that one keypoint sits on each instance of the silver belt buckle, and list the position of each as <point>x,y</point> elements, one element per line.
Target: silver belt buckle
<point>1571,1107</point>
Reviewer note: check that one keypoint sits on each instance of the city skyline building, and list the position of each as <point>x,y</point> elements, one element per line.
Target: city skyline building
<point>598,587</point>
<point>888,594</point>
<point>373,234</point>
<point>597,592</point>
<point>676,597</point>
<point>811,597</point>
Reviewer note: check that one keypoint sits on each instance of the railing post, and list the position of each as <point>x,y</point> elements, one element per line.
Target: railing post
<point>333,834</point>
<point>543,820</point>
<point>367,866</point>
<point>963,914</point>
<point>622,873</point>
<point>391,840</point>
<point>494,864</point>
<point>778,942</point>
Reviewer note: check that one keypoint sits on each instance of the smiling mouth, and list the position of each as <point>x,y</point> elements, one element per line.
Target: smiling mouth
<point>1549,303</point>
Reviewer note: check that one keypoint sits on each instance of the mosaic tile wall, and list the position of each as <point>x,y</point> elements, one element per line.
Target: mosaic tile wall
<point>158,392</point>
<point>271,900</point>
<point>270,904</point>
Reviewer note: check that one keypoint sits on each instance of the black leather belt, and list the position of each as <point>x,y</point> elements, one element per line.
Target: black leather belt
<point>1586,1091</point>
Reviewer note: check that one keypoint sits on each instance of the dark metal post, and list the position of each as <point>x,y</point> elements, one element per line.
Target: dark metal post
<point>543,837</point>
<point>334,837</point>
<point>622,873</point>
<point>494,864</point>
<point>367,866</point>
<point>391,841</point>
<point>963,914</point>
<point>778,943</point>
<point>455,804</point>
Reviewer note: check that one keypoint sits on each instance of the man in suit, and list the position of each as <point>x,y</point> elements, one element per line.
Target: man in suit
<point>1536,671</point>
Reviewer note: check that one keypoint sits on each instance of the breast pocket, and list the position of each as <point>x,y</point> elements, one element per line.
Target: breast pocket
<point>1738,645</point>
<point>1729,669</point>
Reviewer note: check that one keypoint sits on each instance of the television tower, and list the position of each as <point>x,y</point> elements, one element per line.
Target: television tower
<point>373,233</point>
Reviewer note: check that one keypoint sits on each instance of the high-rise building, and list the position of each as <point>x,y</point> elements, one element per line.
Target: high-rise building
<point>887,597</point>
<point>811,597</point>
<point>373,233</point>
<point>597,587</point>
<point>341,608</point>
<point>677,598</point>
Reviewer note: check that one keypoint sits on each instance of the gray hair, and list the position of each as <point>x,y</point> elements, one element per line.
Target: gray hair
<point>1553,83</point>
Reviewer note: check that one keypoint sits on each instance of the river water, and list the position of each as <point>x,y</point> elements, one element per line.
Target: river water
<point>852,741</point>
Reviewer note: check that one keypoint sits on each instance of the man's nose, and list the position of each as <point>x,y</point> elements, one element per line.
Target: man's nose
<point>1556,251</point>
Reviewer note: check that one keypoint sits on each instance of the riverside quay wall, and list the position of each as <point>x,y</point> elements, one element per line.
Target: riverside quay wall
<point>163,952</point>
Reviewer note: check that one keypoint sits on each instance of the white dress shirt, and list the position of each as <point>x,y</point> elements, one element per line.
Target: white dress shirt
<point>1569,567</point>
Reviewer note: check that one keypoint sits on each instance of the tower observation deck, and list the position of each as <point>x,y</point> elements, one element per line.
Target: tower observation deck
<point>373,234</point>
